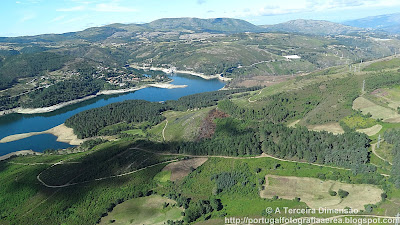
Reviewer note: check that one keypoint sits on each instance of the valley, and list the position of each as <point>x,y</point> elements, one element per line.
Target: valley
<point>192,121</point>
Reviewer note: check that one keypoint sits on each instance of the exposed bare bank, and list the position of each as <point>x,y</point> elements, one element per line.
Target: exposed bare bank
<point>105,92</point>
<point>206,77</point>
<point>63,133</point>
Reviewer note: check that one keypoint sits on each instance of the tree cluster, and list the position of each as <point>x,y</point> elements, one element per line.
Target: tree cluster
<point>229,139</point>
<point>200,208</point>
<point>392,137</point>
<point>346,150</point>
<point>63,91</point>
<point>88,123</point>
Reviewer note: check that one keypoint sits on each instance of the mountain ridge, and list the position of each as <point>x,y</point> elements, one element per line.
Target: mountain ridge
<point>387,22</point>
<point>314,27</point>
<point>192,24</point>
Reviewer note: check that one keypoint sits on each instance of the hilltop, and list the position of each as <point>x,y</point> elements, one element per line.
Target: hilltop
<point>217,25</point>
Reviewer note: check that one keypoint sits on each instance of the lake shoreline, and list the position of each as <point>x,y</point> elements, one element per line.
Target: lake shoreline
<point>169,71</point>
<point>62,132</point>
<point>163,93</point>
<point>52,108</point>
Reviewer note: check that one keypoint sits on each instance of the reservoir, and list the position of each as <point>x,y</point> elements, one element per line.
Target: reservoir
<point>23,123</point>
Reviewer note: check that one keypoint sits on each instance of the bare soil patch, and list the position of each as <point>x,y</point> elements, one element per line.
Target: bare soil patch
<point>294,123</point>
<point>315,192</point>
<point>371,130</point>
<point>208,125</point>
<point>182,168</point>
<point>63,133</point>
<point>334,128</point>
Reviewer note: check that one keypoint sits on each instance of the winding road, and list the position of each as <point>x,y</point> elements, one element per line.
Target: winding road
<point>263,155</point>
<point>255,95</point>
<point>163,131</point>
<point>97,179</point>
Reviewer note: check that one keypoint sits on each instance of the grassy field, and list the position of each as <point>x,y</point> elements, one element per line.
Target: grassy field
<point>385,151</point>
<point>382,166</point>
<point>385,127</point>
<point>243,198</point>
<point>315,192</point>
<point>334,128</point>
<point>155,133</point>
<point>358,121</point>
<point>181,125</point>
<point>371,130</point>
<point>146,210</point>
<point>391,205</point>
<point>383,65</point>
<point>377,111</point>
<point>184,125</point>
<point>138,132</point>
<point>299,83</point>
<point>163,176</point>
<point>386,97</point>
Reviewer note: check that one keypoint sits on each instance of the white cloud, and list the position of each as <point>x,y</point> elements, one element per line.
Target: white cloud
<point>278,10</point>
<point>76,19</point>
<point>27,17</point>
<point>112,7</point>
<point>72,9</point>
<point>302,6</point>
<point>58,18</point>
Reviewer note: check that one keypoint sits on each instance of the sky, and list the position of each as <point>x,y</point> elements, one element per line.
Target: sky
<point>32,17</point>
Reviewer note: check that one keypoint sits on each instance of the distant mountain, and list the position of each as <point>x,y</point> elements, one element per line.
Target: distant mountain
<point>389,23</point>
<point>314,27</point>
<point>217,25</point>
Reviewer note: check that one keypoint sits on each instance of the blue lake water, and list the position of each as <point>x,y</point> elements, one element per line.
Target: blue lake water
<point>19,123</point>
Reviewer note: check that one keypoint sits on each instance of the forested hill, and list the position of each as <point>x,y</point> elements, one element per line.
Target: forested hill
<point>232,136</point>
<point>89,123</point>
